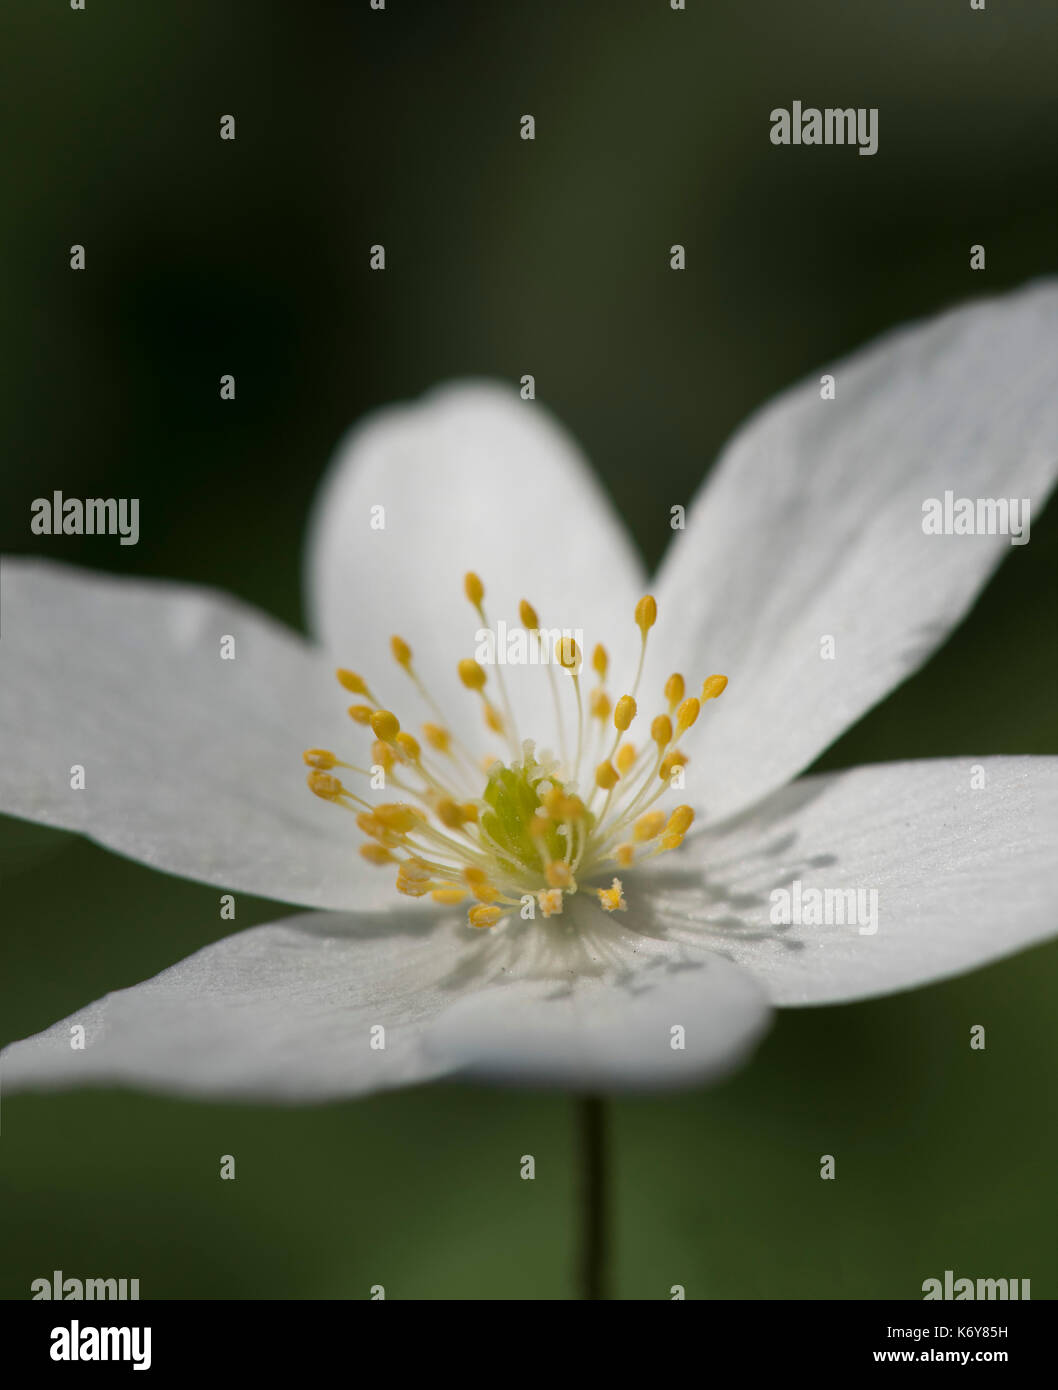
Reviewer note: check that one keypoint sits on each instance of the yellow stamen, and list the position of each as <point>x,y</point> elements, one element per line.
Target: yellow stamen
<point>599,705</point>
<point>352,682</point>
<point>649,825</point>
<point>437,737</point>
<point>689,711</point>
<point>606,776</point>
<point>612,898</point>
<point>674,690</point>
<point>624,713</point>
<point>360,713</point>
<point>600,661</point>
<point>527,613</point>
<point>448,895</point>
<point>471,674</point>
<point>558,874</point>
<point>375,853</point>
<point>399,816</point>
<point>626,756</point>
<point>661,730</point>
<point>473,588</point>
<point>713,686</point>
<point>385,725</point>
<point>550,901</point>
<point>401,651</point>
<point>319,758</point>
<point>323,785</point>
<point>646,613</point>
<point>483,916</point>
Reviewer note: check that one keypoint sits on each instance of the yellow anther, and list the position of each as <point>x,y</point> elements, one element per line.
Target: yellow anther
<point>527,613</point>
<point>626,756</point>
<point>559,874</point>
<point>470,812</point>
<point>385,725</point>
<point>550,900</point>
<point>646,613</point>
<point>689,712</point>
<point>361,713</point>
<point>600,661</point>
<point>670,840</point>
<point>671,760</point>
<point>569,655</point>
<point>625,855</point>
<point>483,916</point>
<point>612,899</point>
<point>680,821</point>
<point>661,730</point>
<point>624,713</point>
<point>399,816</point>
<point>410,887</point>
<point>450,813</point>
<point>448,895</point>
<point>319,758</point>
<point>494,719</point>
<point>376,854</point>
<point>473,588</point>
<point>675,687</point>
<point>600,704</point>
<point>401,651</point>
<point>606,776</point>
<point>382,755</point>
<point>437,737</point>
<point>409,746</point>
<point>713,686</point>
<point>471,674</point>
<point>370,825</point>
<point>351,681</point>
<point>649,826</point>
<point>324,785</point>
<point>415,871</point>
<point>478,883</point>
<point>561,807</point>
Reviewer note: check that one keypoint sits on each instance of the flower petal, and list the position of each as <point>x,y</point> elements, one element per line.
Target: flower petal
<point>286,1011</point>
<point>811,526</point>
<point>964,874</point>
<point>192,764</point>
<point>280,1012</point>
<point>471,478</point>
<point>671,1022</point>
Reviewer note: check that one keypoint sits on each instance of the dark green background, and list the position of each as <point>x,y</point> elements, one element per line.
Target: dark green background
<point>206,257</point>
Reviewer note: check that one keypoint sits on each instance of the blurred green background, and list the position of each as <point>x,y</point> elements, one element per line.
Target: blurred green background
<point>207,257</point>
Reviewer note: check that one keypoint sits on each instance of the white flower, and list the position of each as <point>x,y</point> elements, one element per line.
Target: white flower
<point>809,527</point>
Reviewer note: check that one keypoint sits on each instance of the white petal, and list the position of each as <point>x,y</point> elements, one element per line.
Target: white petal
<point>674,1019</point>
<point>963,876</point>
<point>811,527</point>
<point>285,1011</point>
<point>280,1012</point>
<point>472,478</point>
<point>192,764</point>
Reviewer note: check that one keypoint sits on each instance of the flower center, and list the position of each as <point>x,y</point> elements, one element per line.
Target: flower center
<point>528,837</point>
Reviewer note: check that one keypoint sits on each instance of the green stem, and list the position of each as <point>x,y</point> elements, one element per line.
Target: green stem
<point>594,1243</point>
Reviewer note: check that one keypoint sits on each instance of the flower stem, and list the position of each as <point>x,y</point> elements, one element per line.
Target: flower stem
<point>594,1243</point>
